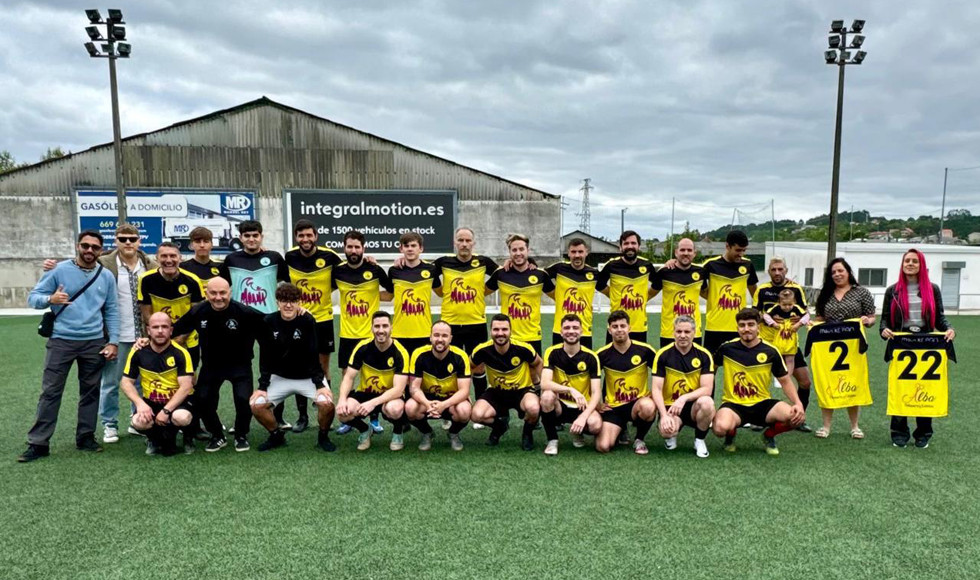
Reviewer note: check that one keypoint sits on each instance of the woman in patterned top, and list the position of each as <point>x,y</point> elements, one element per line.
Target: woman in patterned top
<point>842,298</point>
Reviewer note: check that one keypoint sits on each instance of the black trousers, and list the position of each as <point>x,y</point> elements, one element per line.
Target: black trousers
<point>206,398</point>
<point>900,428</point>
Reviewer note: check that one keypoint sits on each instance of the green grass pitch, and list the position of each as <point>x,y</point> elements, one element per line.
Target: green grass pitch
<point>822,509</point>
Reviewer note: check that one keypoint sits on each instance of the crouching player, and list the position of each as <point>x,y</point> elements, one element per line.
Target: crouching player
<point>570,387</point>
<point>440,387</point>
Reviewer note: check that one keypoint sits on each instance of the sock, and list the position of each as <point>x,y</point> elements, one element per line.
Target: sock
<point>376,415</point>
<point>359,424</point>
<point>642,428</point>
<point>479,384</point>
<point>777,429</point>
<point>528,429</point>
<point>302,406</point>
<point>457,427</point>
<point>278,413</point>
<point>423,426</point>
<point>700,433</point>
<point>804,395</point>
<point>398,426</point>
<point>550,421</point>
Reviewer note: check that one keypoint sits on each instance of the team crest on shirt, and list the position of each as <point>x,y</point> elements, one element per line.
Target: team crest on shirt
<point>636,359</point>
<point>182,288</point>
<point>695,276</point>
<point>171,362</point>
<point>391,361</point>
<point>204,324</point>
<point>308,294</point>
<point>412,305</point>
<point>515,361</point>
<point>320,262</point>
<point>743,386</point>
<point>684,306</point>
<point>643,269</point>
<point>518,309</point>
<point>589,276</point>
<point>727,298</point>
<point>425,274</point>
<point>265,261</point>
<point>742,269</point>
<point>368,275</point>
<point>581,365</point>
<point>214,271</point>
<point>232,324</point>
<point>450,367</point>
<point>297,334</point>
<point>761,357</point>
<point>461,292</point>
<point>474,262</point>
<point>573,303</point>
<point>533,279</point>
<point>355,305</point>
<point>696,363</point>
<point>275,334</point>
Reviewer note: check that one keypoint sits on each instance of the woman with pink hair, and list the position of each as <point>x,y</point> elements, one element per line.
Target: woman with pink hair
<point>913,304</point>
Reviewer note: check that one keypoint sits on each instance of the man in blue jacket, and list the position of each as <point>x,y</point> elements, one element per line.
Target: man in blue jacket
<point>79,335</point>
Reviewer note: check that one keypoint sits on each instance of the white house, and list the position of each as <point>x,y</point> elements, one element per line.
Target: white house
<point>956,269</point>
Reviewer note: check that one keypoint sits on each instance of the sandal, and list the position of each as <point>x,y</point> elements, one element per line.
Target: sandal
<point>857,433</point>
<point>821,433</point>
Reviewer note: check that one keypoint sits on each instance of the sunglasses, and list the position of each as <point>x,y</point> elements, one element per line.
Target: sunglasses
<point>128,239</point>
<point>88,246</point>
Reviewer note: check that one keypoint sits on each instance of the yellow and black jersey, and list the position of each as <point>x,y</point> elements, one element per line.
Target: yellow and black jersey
<point>520,298</point>
<point>774,334</point>
<point>508,371</point>
<point>204,272</point>
<point>767,295</point>
<point>682,372</point>
<point>156,373</point>
<point>918,374</point>
<point>629,288</point>
<point>728,284</point>
<point>378,367</point>
<point>572,371</point>
<point>574,293</point>
<point>175,297</point>
<point>313,276</point>
<point>626,375</point>
<point>412,300</point>
<point>749,371</point>
<point>360,297</point>
<point>462,286</point>
<point>839,363</point>
<point>680,291</point>
<point>440,377</point>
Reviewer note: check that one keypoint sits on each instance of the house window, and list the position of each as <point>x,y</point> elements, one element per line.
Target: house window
<point>808,277</point>
<point>872,276</point>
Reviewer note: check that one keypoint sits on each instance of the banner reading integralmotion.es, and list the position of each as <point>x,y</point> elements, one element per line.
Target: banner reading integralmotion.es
<point>381,215</point>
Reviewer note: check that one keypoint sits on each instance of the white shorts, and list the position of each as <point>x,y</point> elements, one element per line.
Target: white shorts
<point>280,388</point>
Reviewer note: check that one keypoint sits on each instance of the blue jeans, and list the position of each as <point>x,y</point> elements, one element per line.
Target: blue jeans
<point>109,393</point>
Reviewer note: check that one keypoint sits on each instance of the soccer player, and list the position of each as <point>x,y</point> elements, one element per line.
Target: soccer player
<point>201,264</point>
<point>170,290</point>
<point>166,381</point>
<point>289,365</point>
<point>575,285</point>
<point>729,279</point>
<point>520,290</point>
<point>382,365</point>
<point>626,365</point>
<point>412,282</point>
<point>253,272</point>
<point>749,367</point>
<point>626,280</point>
<point>570,387</point>
<point>681,286</point>
<point>440,387</point>
<point>461,282</point>
<point>765,297</point>
<point>513,372</point>
<point>227,330</point>
<point>311,269</point>
<point>683,380</point>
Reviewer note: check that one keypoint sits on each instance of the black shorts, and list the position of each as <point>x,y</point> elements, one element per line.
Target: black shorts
<point>503,400</point>
<point>620,415</point>
<point>754,414</point>
<point>799,361</point>
<point>324,337</point>
<point>413,344</point>
<point>686,415</point>
<point>186,405</point>
<point>468,336</point>
<point>715,338</point>
<point>568,414</point>
<point>364,397</point>
<point>634,336</point>
<point>584,340</point>
<point>535,344</point>
<point>345,349</point>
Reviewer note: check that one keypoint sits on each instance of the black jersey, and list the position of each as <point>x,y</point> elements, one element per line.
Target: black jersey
<point>440,377</point>
<point>378,367</point>
<point>749,371</point>
<point>204,272</point>
<point>626,375</point>
<point>157,373</point>
<point>227,337</point>
<point>576,371</point>
<point>767,295</point>
<point>510,370</point>
<point>287,348</point>
<point>682,372</point>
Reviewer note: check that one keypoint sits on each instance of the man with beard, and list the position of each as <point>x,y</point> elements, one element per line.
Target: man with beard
<point>575,285</point>
<point>681,286</point>
<point>626,280</point>
<point>570,387</point>
<point>514,372</point>
<point>412,281</point>
<point>311,270</point>
<point>520,289</point>
<point>440,387</point>
<point>170,290</point>
<point>749,367</point>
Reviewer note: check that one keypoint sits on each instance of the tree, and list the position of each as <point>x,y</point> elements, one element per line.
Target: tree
<point>52,154</point>
<point>8,163</point>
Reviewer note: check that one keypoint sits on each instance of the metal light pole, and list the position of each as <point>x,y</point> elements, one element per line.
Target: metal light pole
<point>942,212</point>
<point>839,55</point>
<point>622,220</point>
<point>115,32</point>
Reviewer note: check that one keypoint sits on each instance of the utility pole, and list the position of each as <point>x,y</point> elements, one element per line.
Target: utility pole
<point>942,212</point>
<point>671,238</point>
<point>585,224</point>
<point>622,220</point>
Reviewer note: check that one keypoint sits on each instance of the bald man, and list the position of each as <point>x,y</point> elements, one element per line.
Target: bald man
<point>680,281</point>
<point>227,331</point>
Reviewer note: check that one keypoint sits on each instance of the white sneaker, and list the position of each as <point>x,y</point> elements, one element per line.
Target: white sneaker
<point>479,426</point>
<point>551,448</point>
<point>578,441</point>
<point>446,424</point>
<point>132,431</point>
<point>110,434</point>
<point>670,443</point>
<point>701,448</point>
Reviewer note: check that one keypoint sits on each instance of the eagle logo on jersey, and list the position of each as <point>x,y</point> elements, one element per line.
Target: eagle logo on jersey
<point>630,300</point>
<point>518,309</point>
<point>320,262</point>
<point>677,389</point>
<point>461,293</point>
<point>171,361</point>
<point>309,294</point>
<point>743,386</point>
<point>156,391</point>
<point>374,384</point>
<point>354,305</point>
<point>624,392</point>
<point>728,299</point>
<point>573,303</point>
<point>251,293</point>
<point>169,312</point>
<point>412,305</point>
<point>684,306</point>
<point>182,289</point>
<point>500,382</point>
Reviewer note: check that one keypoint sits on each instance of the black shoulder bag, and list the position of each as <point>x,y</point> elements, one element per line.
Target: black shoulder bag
<point>46,327</point>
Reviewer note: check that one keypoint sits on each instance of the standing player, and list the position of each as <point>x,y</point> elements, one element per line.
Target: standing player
<point>520,289</point>
<point>412,288</point>
<point>253,272</point>
<point>310,269</point>
<point>749,367</point>
<point>201,264</point>
<point>626,365</point>
<point>575,285</point>
<point>683,380</point>
<point>289,365</point>
<point>681,285</point>
<point>729,278</point>
<point>626,280</point>
<point>170,290</point>
<point>440,387</point>
<point>382,365</point>
<point>514,372</point>
<point>570,387</point>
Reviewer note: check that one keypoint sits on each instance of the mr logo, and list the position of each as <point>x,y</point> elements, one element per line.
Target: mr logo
<point>232,324</point>
<point>237,203</point>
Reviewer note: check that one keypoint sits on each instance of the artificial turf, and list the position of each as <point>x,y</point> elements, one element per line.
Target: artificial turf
<point>835,508</point>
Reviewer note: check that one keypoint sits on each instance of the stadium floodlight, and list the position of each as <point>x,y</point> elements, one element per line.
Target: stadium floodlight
<point>837,26</point>
<point>116,32</point>
<point>834,41</point>
<point>845,55</point>
<point>857,41</point>
<point>125,49</point>
<point>90,47</point>
<point>115,15</point>
<point>94,16</point>
<point>830,56</point>
<point>857,26</point>
<point>108,49</point>
<point>859,57</point>
<point>94,33</point>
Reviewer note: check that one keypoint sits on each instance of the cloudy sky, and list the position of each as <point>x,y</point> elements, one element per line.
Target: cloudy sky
<point>719,105</point>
